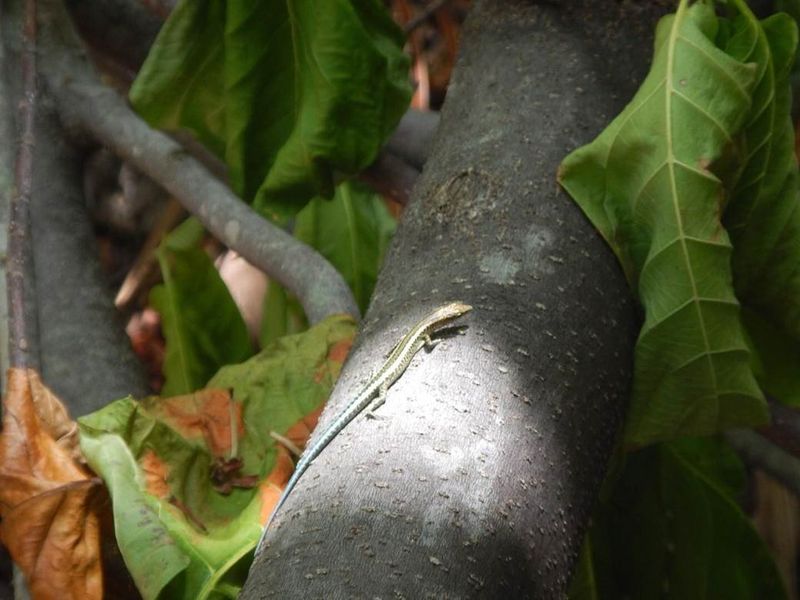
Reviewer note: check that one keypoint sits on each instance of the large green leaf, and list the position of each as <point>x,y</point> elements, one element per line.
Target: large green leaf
<point>763,215</point>
<point>648,184</point>
<point>202,324</point>
<point>288,93</point>
<point>182,538</point>
<point>673,530</point>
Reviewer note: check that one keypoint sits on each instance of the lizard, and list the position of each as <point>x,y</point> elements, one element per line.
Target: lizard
<point>375,389</point>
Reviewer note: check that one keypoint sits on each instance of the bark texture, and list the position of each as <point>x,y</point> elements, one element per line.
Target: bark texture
<point>479,480</point>
<point>85,355</point>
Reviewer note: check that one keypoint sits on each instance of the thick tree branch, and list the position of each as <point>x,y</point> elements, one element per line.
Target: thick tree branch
<point>481,480</point>
<point>84,102</point>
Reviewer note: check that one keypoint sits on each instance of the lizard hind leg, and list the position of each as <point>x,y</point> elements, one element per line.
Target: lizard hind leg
<point>380,400</point>
<point>430,342</point>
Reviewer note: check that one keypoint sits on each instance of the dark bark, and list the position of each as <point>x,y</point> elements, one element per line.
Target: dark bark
<point>122,30</point>
<point>480,480</point>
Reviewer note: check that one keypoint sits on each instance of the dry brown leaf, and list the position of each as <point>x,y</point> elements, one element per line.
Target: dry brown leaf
<point>50,504</point>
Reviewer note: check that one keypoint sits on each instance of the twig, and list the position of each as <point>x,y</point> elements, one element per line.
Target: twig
<point>758,452</point>
<point>234,425</point>
<point>145,263</point>
<point>286,443</point>
<point>426,14</point>
<point>23,334</point>
<point>84,102</point>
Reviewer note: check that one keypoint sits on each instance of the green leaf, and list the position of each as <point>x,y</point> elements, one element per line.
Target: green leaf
<point>584,585</point>
<point>763,216</point>
<point>182,538</point>
<point>202,325</point>
<point>647,184</point>
<point>288,93</point>
<point>776,356</point>
<point>672,530</point>
<point>352,232</point>
<point>178,86</point>
<point>283,315</point>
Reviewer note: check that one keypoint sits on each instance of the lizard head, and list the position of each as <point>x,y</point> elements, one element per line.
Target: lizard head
<point>451,311</point>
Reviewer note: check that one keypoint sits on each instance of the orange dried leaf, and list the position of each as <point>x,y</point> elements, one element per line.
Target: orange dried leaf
<point>272,487</point>
<point>156,473</point>
<point>301,431</point>
<point>50,505</point>
<point>203,415</point>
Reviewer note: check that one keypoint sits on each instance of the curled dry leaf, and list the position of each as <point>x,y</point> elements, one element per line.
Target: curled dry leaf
<point>50,504</point>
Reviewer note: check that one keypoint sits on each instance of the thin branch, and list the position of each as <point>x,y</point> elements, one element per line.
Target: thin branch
<point>426,14</point>
<point>23,332</point>
<point>784,431</point>
<point>84,102</point>
<point>7,132</point>
<point>391,176</point>
<point>413,139</point>
<point>756,451</point>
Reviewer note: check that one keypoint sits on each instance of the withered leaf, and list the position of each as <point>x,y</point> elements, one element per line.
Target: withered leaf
<point>50,504</point>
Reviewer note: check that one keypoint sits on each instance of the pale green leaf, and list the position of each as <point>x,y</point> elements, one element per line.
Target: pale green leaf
<point>648,183</point>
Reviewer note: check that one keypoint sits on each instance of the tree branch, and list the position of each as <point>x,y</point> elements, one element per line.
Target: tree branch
<point>413,138</point>
<point>784,430</point>
<point>7,132</point>
<point>426,14</point>
<point>483,481</point>
<point>391,176</point>
<point>23,331</point>
<point>85,103</point>
<point>758,452</point>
